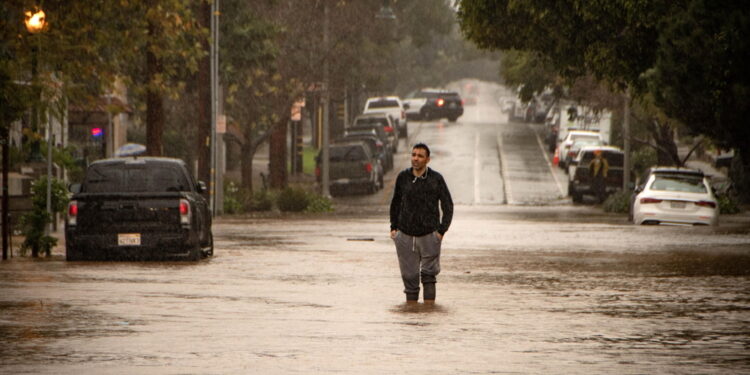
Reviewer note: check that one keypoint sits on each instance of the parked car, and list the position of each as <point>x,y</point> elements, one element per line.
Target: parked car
<point>580,181</point>
<point>570,138</point>
<point>352,165</point>
<point>393,106</point>
<point>377,147</point>
<point>441,104</point>
<point>675,196</point>
<point>413,105</point>
<point>138,207</point>
<point>380,120</point>
<point>576,146</point>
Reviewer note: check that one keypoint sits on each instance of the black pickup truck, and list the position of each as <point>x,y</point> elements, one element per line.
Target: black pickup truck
<point>138,207</point>
<point>580,181</point>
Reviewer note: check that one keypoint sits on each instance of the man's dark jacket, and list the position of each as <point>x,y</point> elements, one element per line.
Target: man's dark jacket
<point>414,207</point>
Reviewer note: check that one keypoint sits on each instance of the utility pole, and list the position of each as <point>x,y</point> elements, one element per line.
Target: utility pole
<point>326,106</point>
<point>214,99</point>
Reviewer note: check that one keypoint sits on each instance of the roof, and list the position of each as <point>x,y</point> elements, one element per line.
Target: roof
<point>138,159</point>
<point>602,148</point>
<point>676,170</point>
<point>379,98</point>
<point>584,132</point>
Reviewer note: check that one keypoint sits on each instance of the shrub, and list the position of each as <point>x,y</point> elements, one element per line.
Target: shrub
<point>293,200</point>
<point>35,222</point>
<point>618,202</point>
<point>728,204</point>
<point>318,203</point>
<point>260,201</point>
<point>234,202</point>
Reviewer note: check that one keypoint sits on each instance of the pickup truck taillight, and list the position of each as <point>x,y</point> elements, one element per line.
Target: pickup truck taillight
<point>185,212</point>
<point>73,213</point>
<point>368,167</point>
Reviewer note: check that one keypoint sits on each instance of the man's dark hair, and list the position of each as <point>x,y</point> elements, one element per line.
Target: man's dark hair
<point>423,147</point>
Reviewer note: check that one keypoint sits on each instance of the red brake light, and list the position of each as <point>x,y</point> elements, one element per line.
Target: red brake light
<point>184,207</point>
<point>317,171</point>
<point>368,167</point>
<point>440,102</point>
<point>73,208</point>
<point>389,129</point>
<point>650,200</point>
<point>706,204</point>
<point>572,153</point>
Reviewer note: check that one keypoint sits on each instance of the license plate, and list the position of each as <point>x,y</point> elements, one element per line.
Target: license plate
<point>129,239</point>
<point>342,181</point>
<point>679,205</point>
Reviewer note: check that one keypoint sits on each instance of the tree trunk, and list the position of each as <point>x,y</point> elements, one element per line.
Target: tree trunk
<point>154,101</point>
<point>277,155</point>
<point>248,153</point>
<point>203,132</point>
<point>666,150</point>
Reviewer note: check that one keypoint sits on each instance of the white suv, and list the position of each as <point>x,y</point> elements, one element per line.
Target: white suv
<point>391,105</point>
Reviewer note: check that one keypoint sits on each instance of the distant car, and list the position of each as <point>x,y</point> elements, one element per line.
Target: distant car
<point>580,182</point>
<point>377,147</point>
<point>352,165</point>
<point>393,106</point>
<point>381,120</point>
<point>441,104</point>
<point>570,138</point>
<point>675,196</point>
<point>576,147</point>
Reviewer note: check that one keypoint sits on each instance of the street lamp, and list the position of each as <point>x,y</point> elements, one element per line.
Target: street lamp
<point>36,22</point>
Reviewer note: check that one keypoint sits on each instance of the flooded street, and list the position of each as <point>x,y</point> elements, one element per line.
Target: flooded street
<point>530,284</point>
<point>523,290</point>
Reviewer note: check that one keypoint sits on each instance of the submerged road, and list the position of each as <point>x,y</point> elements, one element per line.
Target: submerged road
<point>534,286</point>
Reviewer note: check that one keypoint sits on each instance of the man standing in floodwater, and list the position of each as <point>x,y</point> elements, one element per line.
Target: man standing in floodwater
<point>416,227</point>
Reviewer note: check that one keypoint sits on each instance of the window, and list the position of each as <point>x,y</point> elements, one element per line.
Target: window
<point>679,183</point>
<point>121,178</point>
<point>383,104</point>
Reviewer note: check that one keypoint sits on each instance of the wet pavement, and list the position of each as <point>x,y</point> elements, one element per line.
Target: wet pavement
<point>554,289</point>
<point>535,286</point>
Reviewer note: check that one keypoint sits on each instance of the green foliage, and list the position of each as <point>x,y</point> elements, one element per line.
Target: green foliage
<point>35,222</point>
<point>234,201</point>
<point>292,200</point>
<point>261,201</point>
<point>318,203</point>
<point>619,202</point>
<point>728,204</point>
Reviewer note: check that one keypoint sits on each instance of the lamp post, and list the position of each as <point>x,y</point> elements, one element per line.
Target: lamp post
<point>36,22</point>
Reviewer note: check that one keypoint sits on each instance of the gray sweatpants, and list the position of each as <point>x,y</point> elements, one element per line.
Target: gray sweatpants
<point>417,256</point>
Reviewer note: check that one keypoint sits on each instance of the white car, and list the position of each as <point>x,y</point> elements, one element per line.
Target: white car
<point>566,153</point>
<point>391,105</point>
<point>675,198</point>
